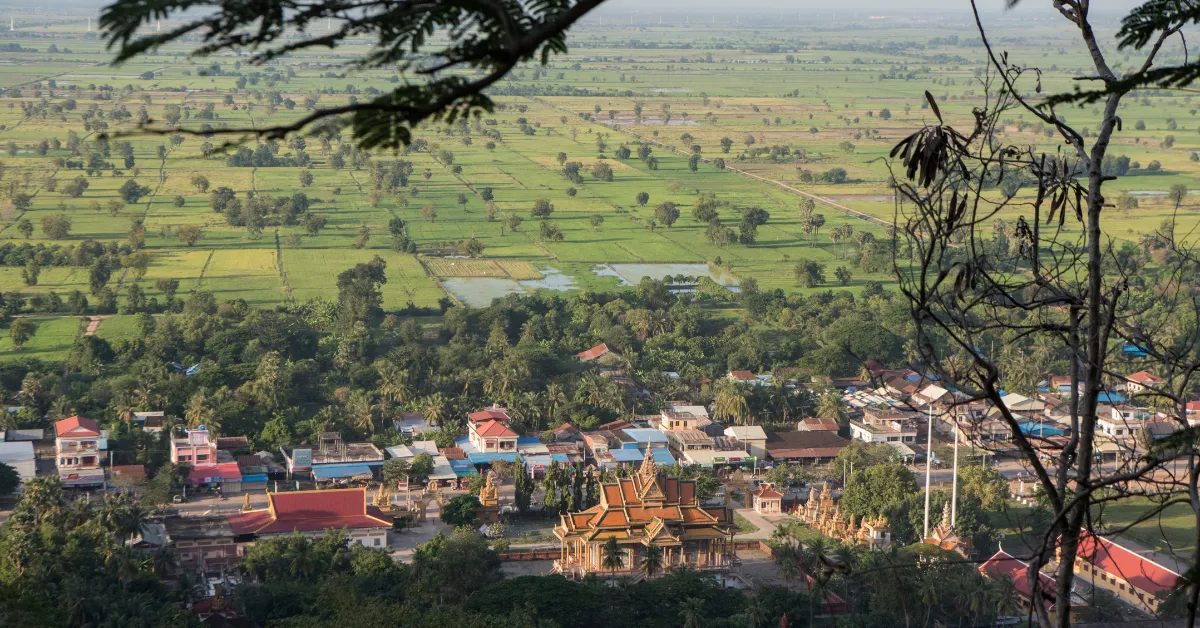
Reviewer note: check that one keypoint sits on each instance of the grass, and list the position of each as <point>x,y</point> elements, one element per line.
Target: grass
<point>52,341</point>
<point>752,84</point>
<point>743,525</point>
<point>511,269</point>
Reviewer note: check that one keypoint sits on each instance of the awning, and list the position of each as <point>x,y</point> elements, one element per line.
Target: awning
<point>341,471</point>
<point>462,468</point>
<point>84,478</point>
<point>490,457</point>
<point>223,472</point>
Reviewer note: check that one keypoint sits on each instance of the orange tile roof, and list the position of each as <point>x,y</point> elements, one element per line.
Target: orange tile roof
<point>76,426</point>
<point>1144,377</point>
<point>494,428</point>
<point>593,353</point>
<point>744,376</point>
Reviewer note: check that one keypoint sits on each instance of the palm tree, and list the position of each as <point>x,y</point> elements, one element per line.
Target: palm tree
<point>198,412</point>
<point>361,412</point>
<point>556,400</point>
<point>393,382</point>
<point>830,407</point>
<point>434,408</point>
<point>730,403</point>
<point>692,613</point>
<point>756,612</point>
<point>614,556</point>
<point>652,560</point>
<point>61,407</point>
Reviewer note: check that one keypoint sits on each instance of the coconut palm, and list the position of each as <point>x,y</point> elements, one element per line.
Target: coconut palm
<point>830,406</point>
<point>692,613</point>
<point>393,382</point>
<point>556,400</point>
<point>652,560</point>
<point>613,556</point>
<point>434,408</point>
<point>730,403</point>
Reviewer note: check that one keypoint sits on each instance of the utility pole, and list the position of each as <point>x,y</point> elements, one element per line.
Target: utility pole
<point>158,26</point>
<point>89,25</point>
<point>928,471</point>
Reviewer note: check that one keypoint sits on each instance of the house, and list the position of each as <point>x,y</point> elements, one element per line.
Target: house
<point>152,421</point>
<point>493,436</point>
<point>196,448</point>
<point>566,433</point>
<point>79,452</point>
<point>815,424</point>
<point>1133,578</point>
<point>884,432</point>
<point>205,543</point>
<point>225,476</point>
<point>752,437</point>
<point>491,413</point>
<point>127,474</point>
<point>642,511</point>
<point>333,459</point>
<point>20,456</point>
<point>1141,381</point>
<point>809,447</point>
<point>311,513</point>
<point>601,354</point>
<point>742,377</point>
<point>767,500</point>
<point>254,472</point>
<point>1114,425</point>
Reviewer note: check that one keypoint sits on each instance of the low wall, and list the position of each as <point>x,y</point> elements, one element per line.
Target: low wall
<point>551,554</point>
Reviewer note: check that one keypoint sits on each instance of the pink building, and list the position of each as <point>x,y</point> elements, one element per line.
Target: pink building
<point>196,448</point>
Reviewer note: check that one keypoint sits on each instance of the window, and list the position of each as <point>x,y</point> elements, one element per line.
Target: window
<point>376,542</point>
<point>1122,585</point>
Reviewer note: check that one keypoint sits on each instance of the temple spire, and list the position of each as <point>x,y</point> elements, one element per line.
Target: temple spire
<point>649,469</point>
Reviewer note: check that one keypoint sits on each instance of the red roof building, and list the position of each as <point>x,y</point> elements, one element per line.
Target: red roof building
<point>767,500</point>
<point>742,376</point>
<point>1127,574</point>
<point>313,512</point>
<point>1139,381</point>
<point>494,413</point>
<point>817,424</point>
<point>492,436</point>
<point>76,427</point>
<point>593,353</point>
<point>1002,565</point>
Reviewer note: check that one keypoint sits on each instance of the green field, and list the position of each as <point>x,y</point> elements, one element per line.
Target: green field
<point>794,103</point>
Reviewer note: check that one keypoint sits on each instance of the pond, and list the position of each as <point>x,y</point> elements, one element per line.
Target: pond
<point>479,291</point>
<point>552,279</point>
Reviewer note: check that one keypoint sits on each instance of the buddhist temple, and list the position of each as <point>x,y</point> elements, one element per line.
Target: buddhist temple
<point>945,537</point>
<point>641,512</point>
<point>821,514</point>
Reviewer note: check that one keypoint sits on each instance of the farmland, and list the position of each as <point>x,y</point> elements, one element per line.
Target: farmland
<point>776,116</point>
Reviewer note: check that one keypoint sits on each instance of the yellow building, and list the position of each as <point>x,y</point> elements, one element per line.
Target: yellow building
<point>643,512</point>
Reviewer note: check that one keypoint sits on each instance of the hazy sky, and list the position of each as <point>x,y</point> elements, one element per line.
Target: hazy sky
<point>767,6</point>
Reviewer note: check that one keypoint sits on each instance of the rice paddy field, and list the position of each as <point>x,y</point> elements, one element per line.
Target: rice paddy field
<point>817,96</point>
